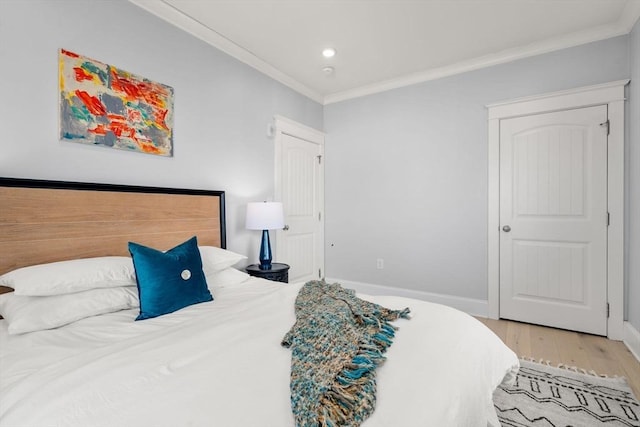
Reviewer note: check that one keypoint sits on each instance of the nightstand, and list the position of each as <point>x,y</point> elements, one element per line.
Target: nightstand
<point>279,272</point>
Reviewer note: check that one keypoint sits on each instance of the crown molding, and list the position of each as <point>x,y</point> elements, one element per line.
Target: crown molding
<point>630,15</point>
<point>168,13</point>
<point>571,40</point>
<point>165,11</point>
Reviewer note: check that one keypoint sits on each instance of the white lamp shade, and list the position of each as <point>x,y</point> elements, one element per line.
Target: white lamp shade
<point>265,216</point>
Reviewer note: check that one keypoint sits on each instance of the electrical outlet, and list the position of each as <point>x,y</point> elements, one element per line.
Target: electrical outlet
<point>380,263</point>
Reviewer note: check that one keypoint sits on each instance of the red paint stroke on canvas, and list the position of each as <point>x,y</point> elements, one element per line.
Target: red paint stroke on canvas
<point>160,117</point>
<point>68,53</point>
<point>123,85</point>
<point>99,130</point>
<point>122,129</point>
<point>152,93</point>
<point>119,128</point>
<point>134,116</point>
<point>116,117</point>
<point>82,75</point>
<point>93,104</point>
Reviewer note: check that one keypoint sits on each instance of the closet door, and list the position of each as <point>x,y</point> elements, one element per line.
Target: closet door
<point>553,219</point>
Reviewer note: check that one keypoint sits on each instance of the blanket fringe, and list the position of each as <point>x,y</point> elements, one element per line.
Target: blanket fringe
<point>353,387</point>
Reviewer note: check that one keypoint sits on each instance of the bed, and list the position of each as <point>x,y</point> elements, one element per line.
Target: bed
<point>212,363</point>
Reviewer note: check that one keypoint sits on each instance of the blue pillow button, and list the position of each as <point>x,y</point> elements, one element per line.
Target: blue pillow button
<point>186,274</point>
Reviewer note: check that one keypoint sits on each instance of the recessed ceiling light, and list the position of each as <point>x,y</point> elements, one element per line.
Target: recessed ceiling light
<point>329,52</point>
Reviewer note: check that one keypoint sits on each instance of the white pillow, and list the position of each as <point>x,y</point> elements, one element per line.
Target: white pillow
<point>76,275</point>
<point>28,314</point>
<point>217,259</point>
<point>228,277</point>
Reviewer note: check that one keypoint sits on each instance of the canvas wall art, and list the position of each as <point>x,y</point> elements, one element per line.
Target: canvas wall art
<point>104,105</point>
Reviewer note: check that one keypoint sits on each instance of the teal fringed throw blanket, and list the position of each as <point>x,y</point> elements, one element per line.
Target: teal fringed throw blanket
<point>336,344</point>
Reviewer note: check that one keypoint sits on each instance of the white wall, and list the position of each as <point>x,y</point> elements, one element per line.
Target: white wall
<point>222,106</point>
<point>406,171</point>
<point>633,162</point>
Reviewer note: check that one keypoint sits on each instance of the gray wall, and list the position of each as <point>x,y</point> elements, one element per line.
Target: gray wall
<point>222,106</point>
<point>633,224</point>
<point>406,171</point>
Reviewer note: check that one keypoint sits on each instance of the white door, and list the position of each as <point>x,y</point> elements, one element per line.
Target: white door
<point>300,187</point>
<point>553,219</point>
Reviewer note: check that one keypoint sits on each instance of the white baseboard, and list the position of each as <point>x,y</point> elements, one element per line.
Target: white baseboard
<point>631,338</point>
<point>474,307</point>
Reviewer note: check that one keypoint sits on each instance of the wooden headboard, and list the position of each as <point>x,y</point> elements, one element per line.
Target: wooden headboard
<point>47,221</point>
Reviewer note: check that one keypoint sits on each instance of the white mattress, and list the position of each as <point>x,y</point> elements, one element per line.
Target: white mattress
<point>221,364</point>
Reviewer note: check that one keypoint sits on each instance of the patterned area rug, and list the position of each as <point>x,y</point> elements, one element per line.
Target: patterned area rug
<point>544,396</point>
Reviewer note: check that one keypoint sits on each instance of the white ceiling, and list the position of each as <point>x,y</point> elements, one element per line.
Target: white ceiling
<point>382,44</point>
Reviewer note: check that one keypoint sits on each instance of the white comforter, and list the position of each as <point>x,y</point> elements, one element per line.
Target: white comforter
<point>221,364</point>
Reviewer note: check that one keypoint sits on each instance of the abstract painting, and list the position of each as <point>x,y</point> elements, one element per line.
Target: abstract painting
<point>104,105</point>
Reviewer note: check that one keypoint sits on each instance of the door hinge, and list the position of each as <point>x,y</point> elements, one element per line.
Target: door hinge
<point>608,311</point>
<point>608,219</point>
<point>319,216</point>
<point>606,124</point>
<point>319,273</point>
<point>319,159</point>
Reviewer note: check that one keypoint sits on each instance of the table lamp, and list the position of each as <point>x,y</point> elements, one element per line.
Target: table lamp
<point>265,216</point>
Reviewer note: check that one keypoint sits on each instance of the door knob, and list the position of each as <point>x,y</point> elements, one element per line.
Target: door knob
<point>506,229</point>
<point>286,227</point>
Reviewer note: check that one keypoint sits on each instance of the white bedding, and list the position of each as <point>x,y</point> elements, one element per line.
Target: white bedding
<point>221,364</point>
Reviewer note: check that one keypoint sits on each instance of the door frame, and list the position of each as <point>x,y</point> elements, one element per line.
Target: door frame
<point>610,94</point>
<point>284,126</point>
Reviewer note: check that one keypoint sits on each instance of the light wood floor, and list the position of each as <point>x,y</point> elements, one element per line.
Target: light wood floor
<point>584,351</point>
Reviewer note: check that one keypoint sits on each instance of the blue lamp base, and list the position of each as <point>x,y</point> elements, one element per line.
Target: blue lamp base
<point>265,251</point>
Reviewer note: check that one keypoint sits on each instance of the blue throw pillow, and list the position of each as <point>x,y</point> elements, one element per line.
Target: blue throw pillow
<point>168,281</point>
